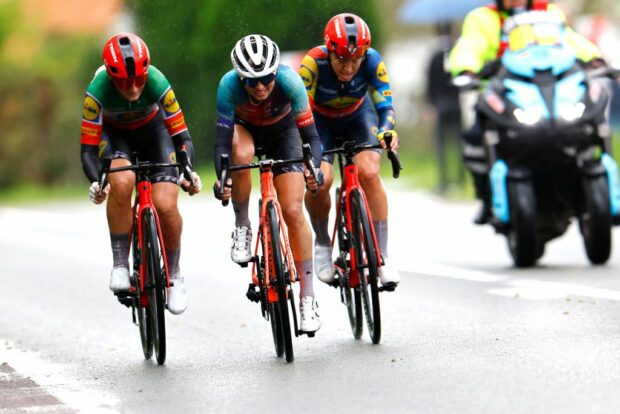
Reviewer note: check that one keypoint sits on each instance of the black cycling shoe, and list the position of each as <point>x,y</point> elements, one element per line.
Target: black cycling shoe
<point>484,215</point>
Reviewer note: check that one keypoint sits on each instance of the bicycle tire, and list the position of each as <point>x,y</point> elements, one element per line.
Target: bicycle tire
<point>276,330</point>
<point>281,283</point>
<point>142,313</point>
<point>352,296</point>
<point>155,285</point>
<point>365,249</point>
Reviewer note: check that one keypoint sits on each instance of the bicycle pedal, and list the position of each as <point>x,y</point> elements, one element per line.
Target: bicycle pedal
<point>252,294</point>
<point>335,283</point>
<point>388,287</point>
<point>244,264</point>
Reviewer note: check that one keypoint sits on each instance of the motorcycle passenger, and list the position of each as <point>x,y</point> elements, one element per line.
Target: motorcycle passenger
<point>483,41</point>
<point>262,109</point>
<point>131,107</point>
<point>349,91</point>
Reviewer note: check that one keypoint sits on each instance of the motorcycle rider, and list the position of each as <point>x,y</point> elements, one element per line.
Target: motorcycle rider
<point>483,41</point>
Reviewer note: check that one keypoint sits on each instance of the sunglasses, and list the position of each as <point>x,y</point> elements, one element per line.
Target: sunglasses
<point>265,80</point>
<point>128,84</point>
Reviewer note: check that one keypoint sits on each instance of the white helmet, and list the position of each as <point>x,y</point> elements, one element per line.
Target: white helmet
<point>254,56</point>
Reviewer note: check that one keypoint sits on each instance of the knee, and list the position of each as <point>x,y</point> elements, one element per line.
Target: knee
<point>293,213</point>
<point>242,154</point>
<point>121,186</point>
<point>167,208</point>
<point>369,174</point>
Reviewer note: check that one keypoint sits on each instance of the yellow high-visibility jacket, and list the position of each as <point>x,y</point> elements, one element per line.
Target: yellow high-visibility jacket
<point>480,40</point>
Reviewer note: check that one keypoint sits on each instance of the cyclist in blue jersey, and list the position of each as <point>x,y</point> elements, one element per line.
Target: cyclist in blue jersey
<point>262,109</point>
<point>349,91</point>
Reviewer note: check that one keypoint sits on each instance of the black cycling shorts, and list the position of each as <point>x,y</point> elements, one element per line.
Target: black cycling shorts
<point>151,142</point>
<point>279,141</point>
<point>360,126</point>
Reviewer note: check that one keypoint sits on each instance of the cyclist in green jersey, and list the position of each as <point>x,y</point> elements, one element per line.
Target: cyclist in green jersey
<point>130,108</point>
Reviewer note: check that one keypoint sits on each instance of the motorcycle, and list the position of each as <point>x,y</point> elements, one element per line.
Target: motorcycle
<point>546,136</point>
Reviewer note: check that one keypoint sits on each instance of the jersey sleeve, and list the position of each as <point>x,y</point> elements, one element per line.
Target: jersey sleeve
<point>584,49</point>
<point>91,131</point>
<point>225,120</point>
<point>309,73</point>
<point>380,91</point>
<point>293,86</point>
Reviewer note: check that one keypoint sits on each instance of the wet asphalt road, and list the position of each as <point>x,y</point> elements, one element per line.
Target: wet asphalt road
<point>465,332</point>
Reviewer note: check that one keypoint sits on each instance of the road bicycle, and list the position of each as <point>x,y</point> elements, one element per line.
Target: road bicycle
<point>358,262</point>
<point>150,278</point>
<point>273,266</point>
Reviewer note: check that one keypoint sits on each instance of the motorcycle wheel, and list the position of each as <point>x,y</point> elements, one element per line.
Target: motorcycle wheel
<point>522,238</point>
<point>595,219</point>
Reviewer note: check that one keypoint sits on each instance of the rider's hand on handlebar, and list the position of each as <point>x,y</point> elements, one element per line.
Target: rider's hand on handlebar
<point>227,190</point>
<point>97,196</point>
<point>194,187</point>
<point>311,183</point>
<point>393,144</point>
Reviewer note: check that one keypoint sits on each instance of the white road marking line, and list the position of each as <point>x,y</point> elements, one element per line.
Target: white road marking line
<point>51,377</point>
<point>514,287</point>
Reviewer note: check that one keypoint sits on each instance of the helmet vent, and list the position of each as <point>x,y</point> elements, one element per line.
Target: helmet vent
<point>349,20</point>
<point>130,63</point>
<point>123,41</point>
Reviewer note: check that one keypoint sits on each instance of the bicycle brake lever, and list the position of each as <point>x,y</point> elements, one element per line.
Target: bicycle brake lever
<point>309,163</point>
<point>103,174</point>
<point>224,176</point>
<point>397,166</point>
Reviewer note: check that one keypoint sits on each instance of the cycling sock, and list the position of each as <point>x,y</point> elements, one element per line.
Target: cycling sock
<point>173,262</point>
<point>304,270</point>
<point>321,232</point>
<point>120,249</point>
<point>381,232</point>
<point>242,217</point>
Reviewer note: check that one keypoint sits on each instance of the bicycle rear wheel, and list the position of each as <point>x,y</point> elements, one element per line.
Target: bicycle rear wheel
<point>366,256</point>
<point>351,296</point>
<point>155,285</point>
<point>276,329</point>
<point>281,306</point>
<point>142,313</point>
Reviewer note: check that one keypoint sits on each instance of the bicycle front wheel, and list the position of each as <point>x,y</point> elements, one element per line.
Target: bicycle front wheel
<point>280,281</point>
<point>351,296</point>
<point>155,285</point>
<point>368,265</point>
<point>142,313</point>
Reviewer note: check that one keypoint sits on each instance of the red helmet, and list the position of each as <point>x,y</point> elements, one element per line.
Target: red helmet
<point>126,56</point>
<point>347,35</point>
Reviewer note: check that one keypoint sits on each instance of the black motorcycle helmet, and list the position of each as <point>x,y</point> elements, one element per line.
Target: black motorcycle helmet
<point>500,4</point>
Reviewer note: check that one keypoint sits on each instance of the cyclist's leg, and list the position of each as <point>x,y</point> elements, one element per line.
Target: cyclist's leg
<point>364,126</point>
<point>118,207</point>
<point>319,204</point>
<point>242,153</point>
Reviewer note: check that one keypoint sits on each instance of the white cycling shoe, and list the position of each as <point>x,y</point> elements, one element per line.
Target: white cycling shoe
<point>389,277</point>
<point>240,250</point>
<point>309,310</point>
<point>119,279</point>
<point>177,296</point>
<point>323,263</point>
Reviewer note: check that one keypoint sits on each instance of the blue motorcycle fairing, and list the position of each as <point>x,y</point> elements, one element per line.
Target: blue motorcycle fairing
<point>569,91</point>
<point>499,191</point>
<point>613,182</point>
<point>526,62</point>
<point>526,95</point>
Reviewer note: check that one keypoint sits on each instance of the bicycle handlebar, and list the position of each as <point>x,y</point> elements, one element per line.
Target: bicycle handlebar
<point>183,165</point>
<point>350,149</point>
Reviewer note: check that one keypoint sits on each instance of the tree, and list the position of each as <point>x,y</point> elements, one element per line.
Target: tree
<point>192,44</point>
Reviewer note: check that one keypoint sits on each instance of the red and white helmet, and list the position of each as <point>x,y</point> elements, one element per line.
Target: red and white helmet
<point>347,35</point>
<point>126,56</point>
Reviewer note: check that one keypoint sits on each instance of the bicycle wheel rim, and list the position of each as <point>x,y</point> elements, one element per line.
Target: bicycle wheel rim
<point>142,313</point>
<point>364,246</point>
<point>281,283</point>
<point>155,287</point>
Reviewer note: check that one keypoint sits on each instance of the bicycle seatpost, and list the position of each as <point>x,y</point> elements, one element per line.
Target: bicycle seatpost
<point>224,162</point>
<point>393,156</point>
<point>309,163</point>
<point>103,174</point>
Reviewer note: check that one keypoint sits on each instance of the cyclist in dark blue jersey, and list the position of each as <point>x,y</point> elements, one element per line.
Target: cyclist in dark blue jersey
<point>349,91</point>
<point>263,109</point>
